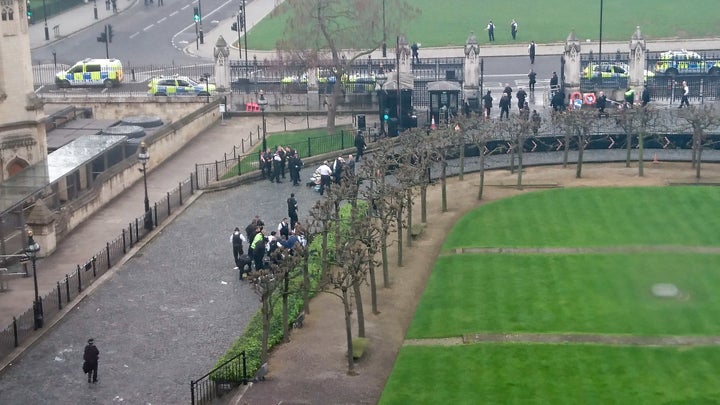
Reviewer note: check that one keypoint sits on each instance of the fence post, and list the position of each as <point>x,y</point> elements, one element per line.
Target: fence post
<point>702,98</point>
<point>107,252</point>
<point>285,122</point>
<point>168,203</point>
<point>137,230</point>
<point>79,276</point>
<point>238,166</point>
<point>242,146</point>
<point>342,139</point>
<point>307,119</point>
<point>124,243</point>
<point>217,171</point>
<point>130,227</point>
<point>244,366</point>
<point>309,149</point>
<point>93,266</point>
<point>179,192</point>
<point>15,334</point>
<point>207,176</point>
<point>59,296</point>
<point>197,179</point>
<point>192,392</point>
<point>192,189</point>
<point>67,288</point>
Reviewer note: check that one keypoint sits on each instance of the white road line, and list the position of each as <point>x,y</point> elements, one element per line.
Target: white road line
<point>134,35</point>
<point>161,20</point>
<point>184,7</point>
<point>148,27</point>
<point>173,13</point>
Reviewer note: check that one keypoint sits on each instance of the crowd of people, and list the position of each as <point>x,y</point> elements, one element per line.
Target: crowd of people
<point>262,245</point>
<point>274,165</point>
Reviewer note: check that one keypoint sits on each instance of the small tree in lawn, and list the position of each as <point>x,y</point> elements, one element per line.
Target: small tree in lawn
<point>579,123</point>
<point>443,142</point>
<point>286,263</point>
<point>700,119</point>
<point>322,219</point>
<point>637,122</point>
<point>265,282</point>
<point>334,33</point>
<point>479,132</point>
<point>515,131</point>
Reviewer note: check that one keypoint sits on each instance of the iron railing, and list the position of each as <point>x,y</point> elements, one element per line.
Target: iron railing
<point>219,381</point>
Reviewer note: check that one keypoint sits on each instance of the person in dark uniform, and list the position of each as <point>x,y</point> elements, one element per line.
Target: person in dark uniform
<point>487,103</point>
<point>415,57</point>
<point>90,357</point>
<point>237,239</point>
<point>491,31</point>
<point>531,52</point>
<point>292,210</point>
<point>359,146</point>
<point>645,96</point>
<point>532,79</point>
<point>276,165</point>
<point>521,96</point>
<point>513,28</point>
<point>601,104</point>
<point>554,83</point>
<point>505,106</point>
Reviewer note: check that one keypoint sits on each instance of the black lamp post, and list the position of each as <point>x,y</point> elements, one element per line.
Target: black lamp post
<point>600,48</point>
<point>380,79</point>
<point>143,158</point>
<point>31,252</point>
<point>95,9</point>
<point>47,32</point>
<point>206,79</point>
<point>262,102</point>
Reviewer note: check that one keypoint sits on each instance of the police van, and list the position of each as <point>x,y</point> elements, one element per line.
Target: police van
<point>92,72</point>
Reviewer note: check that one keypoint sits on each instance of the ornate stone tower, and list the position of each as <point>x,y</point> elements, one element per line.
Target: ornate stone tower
<point>22,131</point>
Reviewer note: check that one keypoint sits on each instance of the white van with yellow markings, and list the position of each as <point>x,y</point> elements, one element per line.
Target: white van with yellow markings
<point>92,72</point>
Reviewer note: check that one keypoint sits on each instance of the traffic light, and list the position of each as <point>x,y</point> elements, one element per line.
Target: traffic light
<point>196,14</point>
<point>386,114</point>
<point>241,18</point>
<point>102,37</point>
<point>29,10</point>
<point>384,49</point>
<point>234,26</point>
<point>109,33</point>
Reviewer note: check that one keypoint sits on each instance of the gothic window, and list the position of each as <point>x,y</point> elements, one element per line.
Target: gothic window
<point>6,10</point>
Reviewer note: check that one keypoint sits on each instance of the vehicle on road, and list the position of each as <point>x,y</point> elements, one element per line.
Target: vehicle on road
<point>608,70</point>
<point>179,86</point>
<point>682,61</point>
<point>92,72</point>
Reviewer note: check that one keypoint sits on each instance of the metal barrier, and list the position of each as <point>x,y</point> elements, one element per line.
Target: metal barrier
<point>219,381</point>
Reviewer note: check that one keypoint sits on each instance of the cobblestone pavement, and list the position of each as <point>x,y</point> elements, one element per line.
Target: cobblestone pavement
<point>164,318</point>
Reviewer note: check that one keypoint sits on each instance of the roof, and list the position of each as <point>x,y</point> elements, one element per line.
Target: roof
<point>443,85</point>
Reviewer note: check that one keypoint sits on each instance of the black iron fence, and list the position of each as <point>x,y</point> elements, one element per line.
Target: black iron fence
<point>42,9</point>
<point>79,278</point>
<point>219,381</point>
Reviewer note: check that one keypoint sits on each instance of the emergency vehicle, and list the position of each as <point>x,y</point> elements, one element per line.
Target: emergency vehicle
<point>92,72</point>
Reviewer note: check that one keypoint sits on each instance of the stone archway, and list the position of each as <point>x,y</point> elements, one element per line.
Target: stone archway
<point>16,165</point>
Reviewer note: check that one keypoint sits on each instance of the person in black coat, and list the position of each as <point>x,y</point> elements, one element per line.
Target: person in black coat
<point>558,101</point>
<point>359,146</point>
<point>90,357</point>
<point>487,103</point>
<point>521,96</point>
<point>601,103</point>
<point>645,96</point>
<point>505,106</point>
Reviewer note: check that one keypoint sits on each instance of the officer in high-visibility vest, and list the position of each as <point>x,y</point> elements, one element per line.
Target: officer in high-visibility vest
<point>629,97</point>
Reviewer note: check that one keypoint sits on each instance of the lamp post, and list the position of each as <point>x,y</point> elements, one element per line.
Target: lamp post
<point>206,79</point>
<point>143,158</point>
<point>384,44</point>
<point>600,46</point>
<point>31,252</point>
<point>380,78</point>
<point>95,9</point>
<point>262,102</point>
<point>47,32</point>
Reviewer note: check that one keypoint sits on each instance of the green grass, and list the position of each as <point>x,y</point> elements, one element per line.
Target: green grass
<point>542,21</point>
<point>553,374</point>
<point>595,217</point>
<point>607,294</point>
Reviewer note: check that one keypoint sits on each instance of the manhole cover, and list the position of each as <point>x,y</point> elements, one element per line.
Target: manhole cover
<point>665,290</point>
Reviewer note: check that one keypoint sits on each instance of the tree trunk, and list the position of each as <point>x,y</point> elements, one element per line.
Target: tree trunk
<point>443,184</point>
<point>581,149</point>
<point>409,219</point>
<point>348,331</point>
<point>629,149</point>
<point>461,176</point>
<point>699,158</point>
<point>566,151</point>
<point>359,309</point>
<point>266,326</point>
<point>384,253</point>
<point>332,108</point>
<point>285,315</point>
<point>324,255</point>
<point>306,279</point>
<point>482,174</point>
<point>373,284</point>
<point>423,204</point>
<point>399,236</point>
<point>641,155</point>
<point>520,161</point>
<point>512,160</point>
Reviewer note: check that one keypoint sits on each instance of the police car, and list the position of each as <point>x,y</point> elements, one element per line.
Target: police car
<point>179,86</point>
<point>609,69</point>
<point>682,61</point>
<point>92,72</point>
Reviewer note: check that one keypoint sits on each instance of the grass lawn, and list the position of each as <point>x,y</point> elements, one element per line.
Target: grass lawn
<point>542,21</point>
<point>553,374</point>
<point>685,216</point>
<point>589,293</point>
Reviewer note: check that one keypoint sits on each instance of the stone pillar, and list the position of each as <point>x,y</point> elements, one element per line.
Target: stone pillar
<point>222,65</point>
<point>471,68</point>
<point>313,90</point>
<point>637,62</point>
<point>42,222</point>
<point>404,54</point>
<point>572,63</point>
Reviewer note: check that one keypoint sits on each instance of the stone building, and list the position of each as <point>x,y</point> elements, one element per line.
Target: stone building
<point>22,130</point>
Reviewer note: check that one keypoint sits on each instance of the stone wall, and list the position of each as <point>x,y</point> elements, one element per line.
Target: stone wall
<point>168,108</point>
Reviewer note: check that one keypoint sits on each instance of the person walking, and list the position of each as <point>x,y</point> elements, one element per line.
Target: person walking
<point>295,165</point>
<point>686,92</point>
<point>531,52</point>
<point>532,76</point>
<point>90,364</point>
<point>513,28</point>
<point>325,176</point>
<point>521,96</point>
<point>359,145</point>
<point>276,164</point>
<point>554,83</point>
<point>415,57</point>
<point>535,122</point>
<point>292,210</point>
<point>491,31</point>
<point>487,103</point>
<point>601,104</point>
<point>284,228</point>
<point>645,96</point>
<point>505,106</point>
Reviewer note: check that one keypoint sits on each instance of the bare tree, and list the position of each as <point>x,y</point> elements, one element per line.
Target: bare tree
<point>265,282</point>
<point>515,131</point>
<point>579,123</point>
<point>479,132</point>
<point>637,122</point>
<point>334,33</point>
<point>700,119</point>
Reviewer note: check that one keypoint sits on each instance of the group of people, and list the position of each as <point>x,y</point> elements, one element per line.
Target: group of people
<point>491,30</point>
<point>275,164</point>
<point>332,173</point>
<point>506,102</point>
<point>262,245</point>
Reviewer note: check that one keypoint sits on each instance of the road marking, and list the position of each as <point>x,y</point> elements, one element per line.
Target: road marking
<point>134,35</point>
<point>184,7</point>
<point>161,20</point>
<point>172,40</point>
<point>148,27</point>
<point>173,13</point>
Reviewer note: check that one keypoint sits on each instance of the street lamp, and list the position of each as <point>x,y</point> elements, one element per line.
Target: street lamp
<point>31,252</point>
<point>262,102</point>
<point>600,47</point>
<point>95,9</point>
<point>143,158</point>
<point>380,79</point>
<point>47,32</point>
<point>206,79</point>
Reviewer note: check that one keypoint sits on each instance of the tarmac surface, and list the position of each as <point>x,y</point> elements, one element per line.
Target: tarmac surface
<point>167,314</point>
